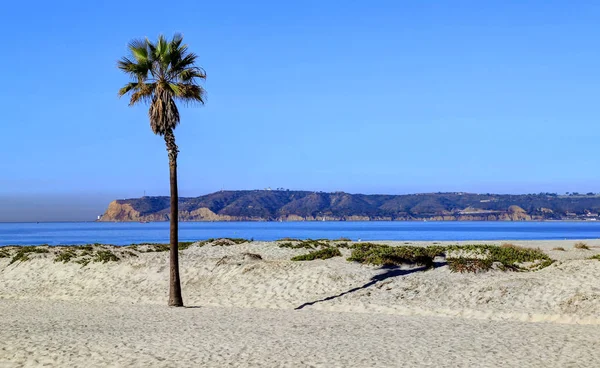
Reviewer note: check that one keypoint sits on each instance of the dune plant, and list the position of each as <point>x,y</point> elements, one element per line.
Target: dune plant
<point>385,255</point>
<point>325,253</point>
<point>163,73</point>
<point>22,254</point>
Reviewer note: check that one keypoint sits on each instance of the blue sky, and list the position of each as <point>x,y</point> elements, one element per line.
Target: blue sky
<point>372,97</point>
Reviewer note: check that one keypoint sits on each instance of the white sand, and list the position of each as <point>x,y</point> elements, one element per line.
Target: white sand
<point>113,314</point>
<point>75,334</point>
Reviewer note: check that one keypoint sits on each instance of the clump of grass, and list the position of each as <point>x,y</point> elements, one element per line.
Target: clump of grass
<point>65,256</point>
<point>307,244</point>
<point>253,256</point>
<point>105,256</point>
<point>83,261</point>
<point>343,239</point>
<point>130,253</point>
<point>506,257</point>
<point>319,254</point>
<point>464,264</point>
<point>581,245</point>
<point>22,254</point>
<point>597,256</point>
<point>288,240</point>
<point>465,258</point>
<point>560,249</point>
<point>86,253</point>
<point>224,241</point>
<point>385,255</point>
<point>4,253</point>
<point>161,247</point>
<point>185,245</point>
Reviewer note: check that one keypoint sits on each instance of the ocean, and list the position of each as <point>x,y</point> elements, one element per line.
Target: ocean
<point>158,232</point>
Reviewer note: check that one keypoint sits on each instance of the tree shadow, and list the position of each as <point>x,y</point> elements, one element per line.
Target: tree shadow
<point>392,271</point>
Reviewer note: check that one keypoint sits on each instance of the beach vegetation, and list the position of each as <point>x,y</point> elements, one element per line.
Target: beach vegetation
<point>105,256</point>
<point>559,249</point>
<point>65,256</point>
<point>506,257</point>
<point>460,258</point>
<point>581,246</point>
<point>162,74</point>
<point>385,255</point>
<point>306,244</point>
<point>319,254</point>
<point>227,241</point>
<point>254,256</point>
<point>130,253</point>
<point>159,247</point>
<point>4,253</point>
<point>83,261</point>
<point>23,253</point>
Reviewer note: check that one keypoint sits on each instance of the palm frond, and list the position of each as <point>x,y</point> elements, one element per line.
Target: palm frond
<point>142,93</point>
<point>135,70</point>
<point>190,75</point>
<point>176,41</point>
<point>127,88</point>
<point>139,50</point>
<point>189,93</point>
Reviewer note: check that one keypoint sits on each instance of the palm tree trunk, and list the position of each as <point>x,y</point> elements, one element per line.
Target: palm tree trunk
<point>175,299</point>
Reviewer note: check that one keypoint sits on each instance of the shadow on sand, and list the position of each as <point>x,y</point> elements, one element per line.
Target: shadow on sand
<point>392,271</point>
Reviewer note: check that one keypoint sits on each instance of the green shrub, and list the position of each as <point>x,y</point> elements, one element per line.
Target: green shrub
<point>507,257</point>
<point>319,254</point>
<point>464,264</point>
<point>159,247</point>
<point>307,244</point>
<point>4,253</point>
<point>105,256</point>
<point>385,255</point>
<point>22,254</point>
<point>288,240</point>
<point>460,258</point>
<point>130,253</point>
<point>83,261</point>
<point>597,256</point>
<point>185,245</point>
<point>65,256</point>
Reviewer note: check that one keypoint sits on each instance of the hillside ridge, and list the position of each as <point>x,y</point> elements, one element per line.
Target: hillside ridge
<point>289,205</point>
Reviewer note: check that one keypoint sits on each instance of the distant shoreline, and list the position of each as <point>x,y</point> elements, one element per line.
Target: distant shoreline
<point>289,221</point>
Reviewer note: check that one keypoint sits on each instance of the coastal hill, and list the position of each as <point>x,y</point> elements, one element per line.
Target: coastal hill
<point>288,205</point>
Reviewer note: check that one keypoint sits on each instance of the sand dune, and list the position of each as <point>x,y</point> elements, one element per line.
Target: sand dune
<point>270,307</point>
<point>566,291</point>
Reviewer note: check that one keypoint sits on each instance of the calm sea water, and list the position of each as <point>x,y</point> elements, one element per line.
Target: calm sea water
<point>127,233</point>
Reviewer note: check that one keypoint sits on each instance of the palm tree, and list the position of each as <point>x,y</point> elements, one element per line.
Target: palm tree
<point>163,73</point>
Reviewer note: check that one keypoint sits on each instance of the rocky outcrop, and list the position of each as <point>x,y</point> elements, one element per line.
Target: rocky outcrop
<point>120,212</point>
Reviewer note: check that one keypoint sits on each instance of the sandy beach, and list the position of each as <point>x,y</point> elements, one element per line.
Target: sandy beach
<point>270,311</point>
